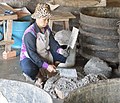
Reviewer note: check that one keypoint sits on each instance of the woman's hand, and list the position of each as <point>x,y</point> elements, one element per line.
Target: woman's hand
<point>51,68</point>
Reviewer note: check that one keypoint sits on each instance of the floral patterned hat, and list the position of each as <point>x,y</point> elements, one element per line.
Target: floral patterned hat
<point>42,10</point>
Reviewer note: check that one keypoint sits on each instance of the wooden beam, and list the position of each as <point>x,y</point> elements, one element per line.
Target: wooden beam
<point>8,17</point>
<point>61,16</point>
<point>8,42</point>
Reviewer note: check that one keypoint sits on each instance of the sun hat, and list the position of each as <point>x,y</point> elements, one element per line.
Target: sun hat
<point>42,10</point>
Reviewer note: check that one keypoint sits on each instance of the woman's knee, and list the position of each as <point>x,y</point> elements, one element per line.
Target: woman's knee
<point>29,68</point>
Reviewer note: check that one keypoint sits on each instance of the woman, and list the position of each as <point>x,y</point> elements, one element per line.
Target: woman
<point>40,51</point>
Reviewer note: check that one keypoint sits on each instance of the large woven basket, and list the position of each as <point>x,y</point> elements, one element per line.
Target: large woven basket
<point>107,91</point>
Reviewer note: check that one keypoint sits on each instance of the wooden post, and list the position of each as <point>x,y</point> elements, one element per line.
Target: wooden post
<point>66,24</point>
<point>8,36</point>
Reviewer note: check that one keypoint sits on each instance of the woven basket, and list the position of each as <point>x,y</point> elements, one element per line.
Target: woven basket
<point>107,91</point>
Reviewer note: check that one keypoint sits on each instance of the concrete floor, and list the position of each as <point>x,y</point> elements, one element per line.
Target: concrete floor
<point>10,69</point>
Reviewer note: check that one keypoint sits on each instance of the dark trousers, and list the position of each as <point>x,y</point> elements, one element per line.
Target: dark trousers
<point>29,68</point>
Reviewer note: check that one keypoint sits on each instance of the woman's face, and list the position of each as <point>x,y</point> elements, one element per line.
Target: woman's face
<point>42,22</point>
